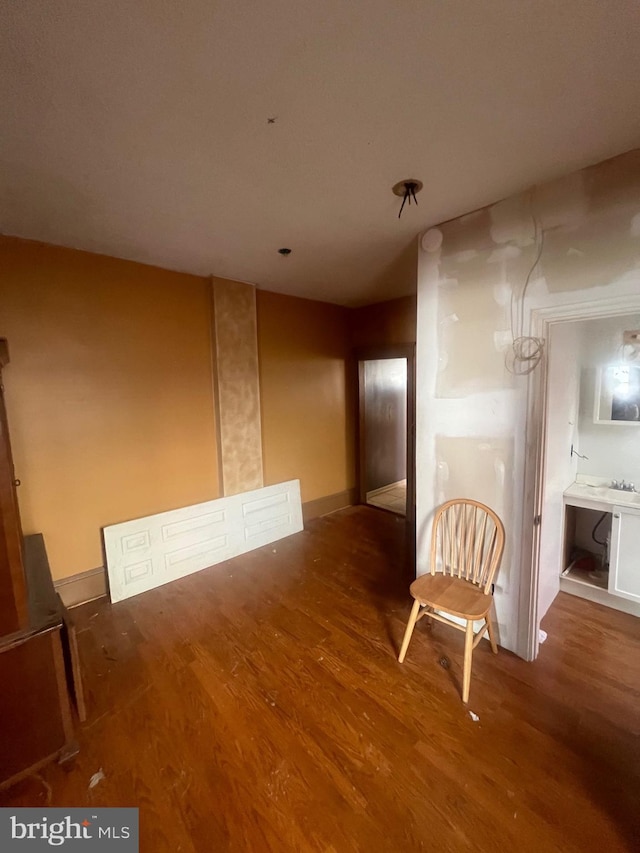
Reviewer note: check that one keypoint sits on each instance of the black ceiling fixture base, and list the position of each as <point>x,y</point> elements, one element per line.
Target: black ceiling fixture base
<point>407,189</point>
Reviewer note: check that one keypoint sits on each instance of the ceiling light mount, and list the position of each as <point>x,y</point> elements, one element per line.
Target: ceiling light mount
<point>407,189</point>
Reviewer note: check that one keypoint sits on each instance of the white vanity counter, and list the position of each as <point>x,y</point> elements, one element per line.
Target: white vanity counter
<point>624,551</point>
<point>594,493</point>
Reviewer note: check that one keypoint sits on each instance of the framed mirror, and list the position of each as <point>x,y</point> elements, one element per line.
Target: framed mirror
<point>617,396</point>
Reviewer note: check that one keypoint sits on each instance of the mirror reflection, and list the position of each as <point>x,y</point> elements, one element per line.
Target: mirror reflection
<point>617,398</point>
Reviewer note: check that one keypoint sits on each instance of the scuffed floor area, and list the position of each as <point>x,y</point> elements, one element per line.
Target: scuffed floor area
<point>259,706</point>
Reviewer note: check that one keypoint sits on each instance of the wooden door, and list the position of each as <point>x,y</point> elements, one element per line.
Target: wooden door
<point>393,351</point>
<point>149,552</point>
<point>13,597</point>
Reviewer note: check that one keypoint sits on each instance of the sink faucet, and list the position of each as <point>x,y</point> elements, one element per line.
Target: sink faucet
<point>622,486</point>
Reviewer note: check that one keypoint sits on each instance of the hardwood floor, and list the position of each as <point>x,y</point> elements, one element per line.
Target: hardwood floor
<point>259,706</point>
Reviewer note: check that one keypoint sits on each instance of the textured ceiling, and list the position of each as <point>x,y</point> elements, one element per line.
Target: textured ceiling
<point>140,129</point>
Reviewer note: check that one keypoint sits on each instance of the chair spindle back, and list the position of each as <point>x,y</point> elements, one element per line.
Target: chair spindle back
<point>467,542</point>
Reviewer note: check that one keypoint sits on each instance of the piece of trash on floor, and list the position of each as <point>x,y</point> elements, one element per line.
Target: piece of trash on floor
<point>96,778</point>
<point>542,636</point>
<point>47,787</point>
<point>275,551</point>
<point>444,662</point>
<point>474,717</point>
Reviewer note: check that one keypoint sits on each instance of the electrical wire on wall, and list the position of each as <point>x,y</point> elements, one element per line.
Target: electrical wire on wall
<point>525,353</point>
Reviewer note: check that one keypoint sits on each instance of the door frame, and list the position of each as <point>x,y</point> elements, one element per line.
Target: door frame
<point>541,319</point>
<point>376,353</point>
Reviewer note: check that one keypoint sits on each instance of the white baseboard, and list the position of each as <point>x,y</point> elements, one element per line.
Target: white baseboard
<point>600,596</point>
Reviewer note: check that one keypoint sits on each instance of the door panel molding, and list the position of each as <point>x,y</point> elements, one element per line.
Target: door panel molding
<point>149,552</point>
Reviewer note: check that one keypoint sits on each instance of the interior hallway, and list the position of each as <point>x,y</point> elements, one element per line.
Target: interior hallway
<point>259,706</point>
<point>393,498</point>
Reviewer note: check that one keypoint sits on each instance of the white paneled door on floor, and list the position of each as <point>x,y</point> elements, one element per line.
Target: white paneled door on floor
<point>152,551</point>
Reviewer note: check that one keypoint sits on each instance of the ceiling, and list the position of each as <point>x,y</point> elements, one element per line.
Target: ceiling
<point>141,129</point>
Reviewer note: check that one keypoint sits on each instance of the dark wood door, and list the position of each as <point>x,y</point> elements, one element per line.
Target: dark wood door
<point>362,355</point>
<point>13,597</point>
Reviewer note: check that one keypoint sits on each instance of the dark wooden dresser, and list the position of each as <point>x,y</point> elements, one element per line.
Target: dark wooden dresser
<point>37,643</point>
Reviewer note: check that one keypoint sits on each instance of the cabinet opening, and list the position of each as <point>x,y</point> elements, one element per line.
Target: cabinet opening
<point>587,547</point>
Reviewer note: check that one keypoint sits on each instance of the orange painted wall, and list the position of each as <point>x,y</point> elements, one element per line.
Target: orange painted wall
<point>307,429</point>
<point>392,322</point>
<point>109,393</point>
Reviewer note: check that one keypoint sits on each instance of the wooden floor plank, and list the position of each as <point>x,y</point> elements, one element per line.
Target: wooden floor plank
<point>259,706</point>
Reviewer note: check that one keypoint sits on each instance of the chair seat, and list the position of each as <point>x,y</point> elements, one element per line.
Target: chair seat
<point>453,595</point>
<point>469,535</point>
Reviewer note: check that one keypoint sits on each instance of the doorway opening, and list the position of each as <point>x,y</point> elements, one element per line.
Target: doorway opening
<point>562,425</point>
<point>581,546</point>
<point>386,430</point>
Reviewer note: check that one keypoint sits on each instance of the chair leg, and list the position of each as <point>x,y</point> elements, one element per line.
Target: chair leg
<point>468,651</point>
<point>409,629</point>
<point>492,639</point>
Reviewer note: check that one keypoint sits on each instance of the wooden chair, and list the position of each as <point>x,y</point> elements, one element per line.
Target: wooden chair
<point>466,549</point>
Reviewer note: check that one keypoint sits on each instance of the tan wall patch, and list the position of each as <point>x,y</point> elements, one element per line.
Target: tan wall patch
<point>238,385</point>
